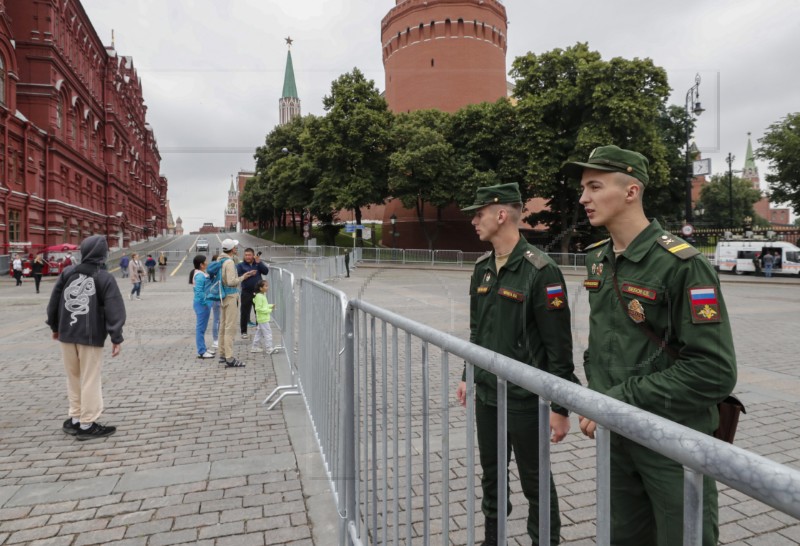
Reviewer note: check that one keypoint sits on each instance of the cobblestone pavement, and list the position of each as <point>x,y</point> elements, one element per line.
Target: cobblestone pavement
<point>198,460</point>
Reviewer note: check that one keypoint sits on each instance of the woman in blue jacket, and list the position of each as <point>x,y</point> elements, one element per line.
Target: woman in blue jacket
<point>202,306</point>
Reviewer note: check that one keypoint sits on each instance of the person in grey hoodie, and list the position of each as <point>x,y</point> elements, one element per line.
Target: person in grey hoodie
<point>85,308</point>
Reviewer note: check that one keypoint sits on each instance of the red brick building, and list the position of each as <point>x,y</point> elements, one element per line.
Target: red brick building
<point>78,156</point>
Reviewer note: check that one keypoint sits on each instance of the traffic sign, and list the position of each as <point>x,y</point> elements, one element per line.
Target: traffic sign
<point>687,230</point>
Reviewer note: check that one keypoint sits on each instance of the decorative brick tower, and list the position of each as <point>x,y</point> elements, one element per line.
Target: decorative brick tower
<point>444,54</point>
<point>232,210</point>
<point>289,103</point>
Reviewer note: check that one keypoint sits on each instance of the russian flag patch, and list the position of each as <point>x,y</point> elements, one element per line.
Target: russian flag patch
<point>555,296</point>
<point>704,304</point>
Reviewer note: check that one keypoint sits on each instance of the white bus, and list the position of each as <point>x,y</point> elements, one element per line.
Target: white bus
<point>744,256</point>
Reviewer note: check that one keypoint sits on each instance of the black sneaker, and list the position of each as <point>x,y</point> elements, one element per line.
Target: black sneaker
<point>70,428</point>
<point>222,360</point>
<point>233,363</point>
<point>95,431</point>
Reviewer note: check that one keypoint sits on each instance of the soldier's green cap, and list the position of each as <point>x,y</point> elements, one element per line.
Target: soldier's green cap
<point>612,159</point>
<point>495,195</point>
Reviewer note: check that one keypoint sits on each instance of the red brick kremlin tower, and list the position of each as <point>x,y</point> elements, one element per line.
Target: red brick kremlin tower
<point>443,54</point>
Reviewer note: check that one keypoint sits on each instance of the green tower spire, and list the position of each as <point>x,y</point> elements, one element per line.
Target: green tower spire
<point>289,85</point>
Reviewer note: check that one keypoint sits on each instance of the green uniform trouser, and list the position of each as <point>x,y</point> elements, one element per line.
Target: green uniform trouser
<point>647,498</point>
<point>523,439</point>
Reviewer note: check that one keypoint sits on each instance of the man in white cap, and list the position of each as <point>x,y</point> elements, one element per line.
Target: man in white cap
<point>230,302</point>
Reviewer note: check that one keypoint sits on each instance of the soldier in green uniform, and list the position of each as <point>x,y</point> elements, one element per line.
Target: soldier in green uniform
<point>659,339</point>
<point>518,308</point>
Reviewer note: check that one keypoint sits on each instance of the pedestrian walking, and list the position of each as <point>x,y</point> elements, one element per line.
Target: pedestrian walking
<point>202,306</point>
<point>252,262</point>
<point>518,308</point>
<point>347,262</point>
<point>162,267</point>
<point>16,267</point>
<point>123,265</point>
<point>263,314</point>
<point>769,261</point>
<point>85,308</point>
<point>150,264</point>
<point>216,313</point>
<point>230,290</point>
<point>136,274</point>
<point>659,339</point>
<point>37,269</point>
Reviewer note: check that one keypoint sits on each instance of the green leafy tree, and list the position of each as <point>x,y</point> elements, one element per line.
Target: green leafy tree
<point>422,166</point>
<point>353,160</point>
<point>488,148</point>
<point>715,201</point>
<point>781,147</point>
<point>571,101</point>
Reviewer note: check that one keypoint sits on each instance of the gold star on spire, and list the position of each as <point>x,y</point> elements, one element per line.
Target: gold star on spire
<point>289,41</point>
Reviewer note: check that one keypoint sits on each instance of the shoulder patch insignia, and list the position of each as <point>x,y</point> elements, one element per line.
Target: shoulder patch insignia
<point>591,284</point>
<point>535,258</point>
<point>677,247</point>
<point>556,299</point>
<point>705,305</point>
<point>483,257</point>
<point>597,244</point>
<point>482,289</point>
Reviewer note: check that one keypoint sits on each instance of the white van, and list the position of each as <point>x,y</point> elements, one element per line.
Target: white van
<point>744,256</point>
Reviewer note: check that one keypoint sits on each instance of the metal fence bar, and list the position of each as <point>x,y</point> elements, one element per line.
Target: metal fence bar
<point>603,466</point>
<point>544,471</point>
<point>385,427</point>
<point>409,492</point>
<point>502,460</point>
<point>470,379</point>
<point>426,448</point>
<point>692,508</point>
<point>396,437</point>
<point>445,393</point>
<point>373,391</point>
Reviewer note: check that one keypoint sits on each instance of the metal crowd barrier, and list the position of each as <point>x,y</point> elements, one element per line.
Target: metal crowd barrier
<point>281,293</point>
<point>383,343</point>
<point>379,387</point>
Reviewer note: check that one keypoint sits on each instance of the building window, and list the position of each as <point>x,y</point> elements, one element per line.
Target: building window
<point>60,111</point>
<point>14,232</point>
<point>74,126</point>
<point>3,81</point>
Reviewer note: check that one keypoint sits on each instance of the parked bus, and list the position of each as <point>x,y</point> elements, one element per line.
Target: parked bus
<point>746,256</point>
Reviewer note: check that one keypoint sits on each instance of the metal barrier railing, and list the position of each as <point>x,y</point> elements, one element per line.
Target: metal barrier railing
<point>281,292</point>
<point>378,394</point>
<point>381,417</point>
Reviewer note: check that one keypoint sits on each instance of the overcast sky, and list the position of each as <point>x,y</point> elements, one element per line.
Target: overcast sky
<point>212,71</point>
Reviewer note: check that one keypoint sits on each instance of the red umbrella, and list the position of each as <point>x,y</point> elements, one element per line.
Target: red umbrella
<point>64,247</point>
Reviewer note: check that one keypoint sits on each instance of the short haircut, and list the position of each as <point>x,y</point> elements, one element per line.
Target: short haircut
<point>625,180</point>
<point>248,249</point>
<point>199,260</point>
<point>261,283</point>
<point>514,211</point>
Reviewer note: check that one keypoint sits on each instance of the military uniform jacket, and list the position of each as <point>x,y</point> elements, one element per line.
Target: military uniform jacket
<point>670,288</point>
<point>521,313</point>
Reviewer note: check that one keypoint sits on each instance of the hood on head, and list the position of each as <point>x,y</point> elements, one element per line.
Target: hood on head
<point>94,250</point>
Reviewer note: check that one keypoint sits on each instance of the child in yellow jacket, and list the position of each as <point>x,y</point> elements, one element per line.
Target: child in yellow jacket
<point>263,312</point>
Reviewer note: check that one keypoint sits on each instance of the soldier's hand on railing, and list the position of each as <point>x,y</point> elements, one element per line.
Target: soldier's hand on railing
<point>559,427</point>
<point>461,393</point>
<point>587,426</point>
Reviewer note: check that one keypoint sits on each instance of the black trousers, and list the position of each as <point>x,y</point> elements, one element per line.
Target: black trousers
<point>245,308</point>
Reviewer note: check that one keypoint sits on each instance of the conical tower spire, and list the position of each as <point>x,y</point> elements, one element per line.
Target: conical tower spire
<point>750,171</point>
<point>289,102</point>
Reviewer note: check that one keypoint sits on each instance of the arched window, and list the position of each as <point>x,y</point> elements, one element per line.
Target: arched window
<point>60,111</point>
<point>3,100</point>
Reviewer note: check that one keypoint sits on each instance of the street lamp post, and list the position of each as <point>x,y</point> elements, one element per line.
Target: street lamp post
<point>730,159</point>
<point>693,107</point>
<point>393,220</point>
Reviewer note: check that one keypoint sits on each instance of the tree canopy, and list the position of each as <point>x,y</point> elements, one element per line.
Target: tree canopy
<point>781,147</point>
<point>716,201</point>
<point>571,101</point>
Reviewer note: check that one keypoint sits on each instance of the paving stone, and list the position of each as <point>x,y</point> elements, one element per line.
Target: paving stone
<point>149,528</point>
<point>29,535</point>
<point>222,529</point>
<point>252,539</point>
<point>174,537</point>
<point>252,465</point>
<point>195,520</point>
<point>160,477</point>
<point>62,491</point>
<point>53,541</point>
<point>76,515</point>
<point>100,537</point>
